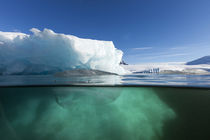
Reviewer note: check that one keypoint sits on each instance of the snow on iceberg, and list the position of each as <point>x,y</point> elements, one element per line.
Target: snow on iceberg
<point>47,51</point>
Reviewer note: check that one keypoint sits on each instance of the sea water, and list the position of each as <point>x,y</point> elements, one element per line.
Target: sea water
<point>185,80</point>
<point>104,113</point>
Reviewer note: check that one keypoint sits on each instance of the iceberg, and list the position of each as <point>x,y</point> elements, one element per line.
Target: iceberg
<point>83,113</point>
<point>48,52</point>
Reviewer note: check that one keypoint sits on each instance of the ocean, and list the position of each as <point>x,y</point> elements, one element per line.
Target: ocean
<point>105,107</point>
<point>183,80</point>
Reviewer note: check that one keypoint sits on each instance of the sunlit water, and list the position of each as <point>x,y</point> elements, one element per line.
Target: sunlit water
<point>131,107</point>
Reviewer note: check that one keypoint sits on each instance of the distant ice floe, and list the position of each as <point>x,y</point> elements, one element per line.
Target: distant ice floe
<point>169,68</point>
<point>46,52</point>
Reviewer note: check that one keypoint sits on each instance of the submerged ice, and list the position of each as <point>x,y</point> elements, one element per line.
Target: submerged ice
<point>47,52</point>
<point>77,113</point>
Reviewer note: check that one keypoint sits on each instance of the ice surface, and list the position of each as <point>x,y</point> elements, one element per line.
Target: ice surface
<point>83,113</point>
<point>169,68</point>
<point>46,51</point>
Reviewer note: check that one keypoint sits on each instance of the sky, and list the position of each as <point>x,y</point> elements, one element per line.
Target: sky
<point>147,31</point>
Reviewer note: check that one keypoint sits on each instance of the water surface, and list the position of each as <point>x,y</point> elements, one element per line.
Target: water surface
<point>132,79</point>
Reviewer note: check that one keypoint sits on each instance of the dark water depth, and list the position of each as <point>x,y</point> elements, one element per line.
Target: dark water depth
<point>104,113</point>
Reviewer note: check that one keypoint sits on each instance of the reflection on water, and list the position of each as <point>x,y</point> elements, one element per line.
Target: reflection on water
<point>78,113</point>
<point>133,79</point>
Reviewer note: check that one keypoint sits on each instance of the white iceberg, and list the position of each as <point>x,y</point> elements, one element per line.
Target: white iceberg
<point>47,51</point>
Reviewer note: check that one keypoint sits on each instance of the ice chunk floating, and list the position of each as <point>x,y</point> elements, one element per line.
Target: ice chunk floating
<point>82,113</point>
<point>46,51</point>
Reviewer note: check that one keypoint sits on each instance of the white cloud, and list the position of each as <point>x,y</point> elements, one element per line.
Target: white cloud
<point>17,30</point>
<point>143,48</point>
<point>179,48</point>
<point>161,55</point>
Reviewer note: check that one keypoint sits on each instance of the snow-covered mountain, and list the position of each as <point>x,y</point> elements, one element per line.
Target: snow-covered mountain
<point>202,60</point>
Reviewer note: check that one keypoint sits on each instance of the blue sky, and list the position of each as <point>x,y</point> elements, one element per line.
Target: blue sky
<point>146,30</point>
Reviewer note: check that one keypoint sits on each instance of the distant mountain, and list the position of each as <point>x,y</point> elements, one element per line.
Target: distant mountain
<point>202,60</point>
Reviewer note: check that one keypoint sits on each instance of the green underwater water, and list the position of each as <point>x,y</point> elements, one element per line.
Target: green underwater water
<point>104,113</point>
